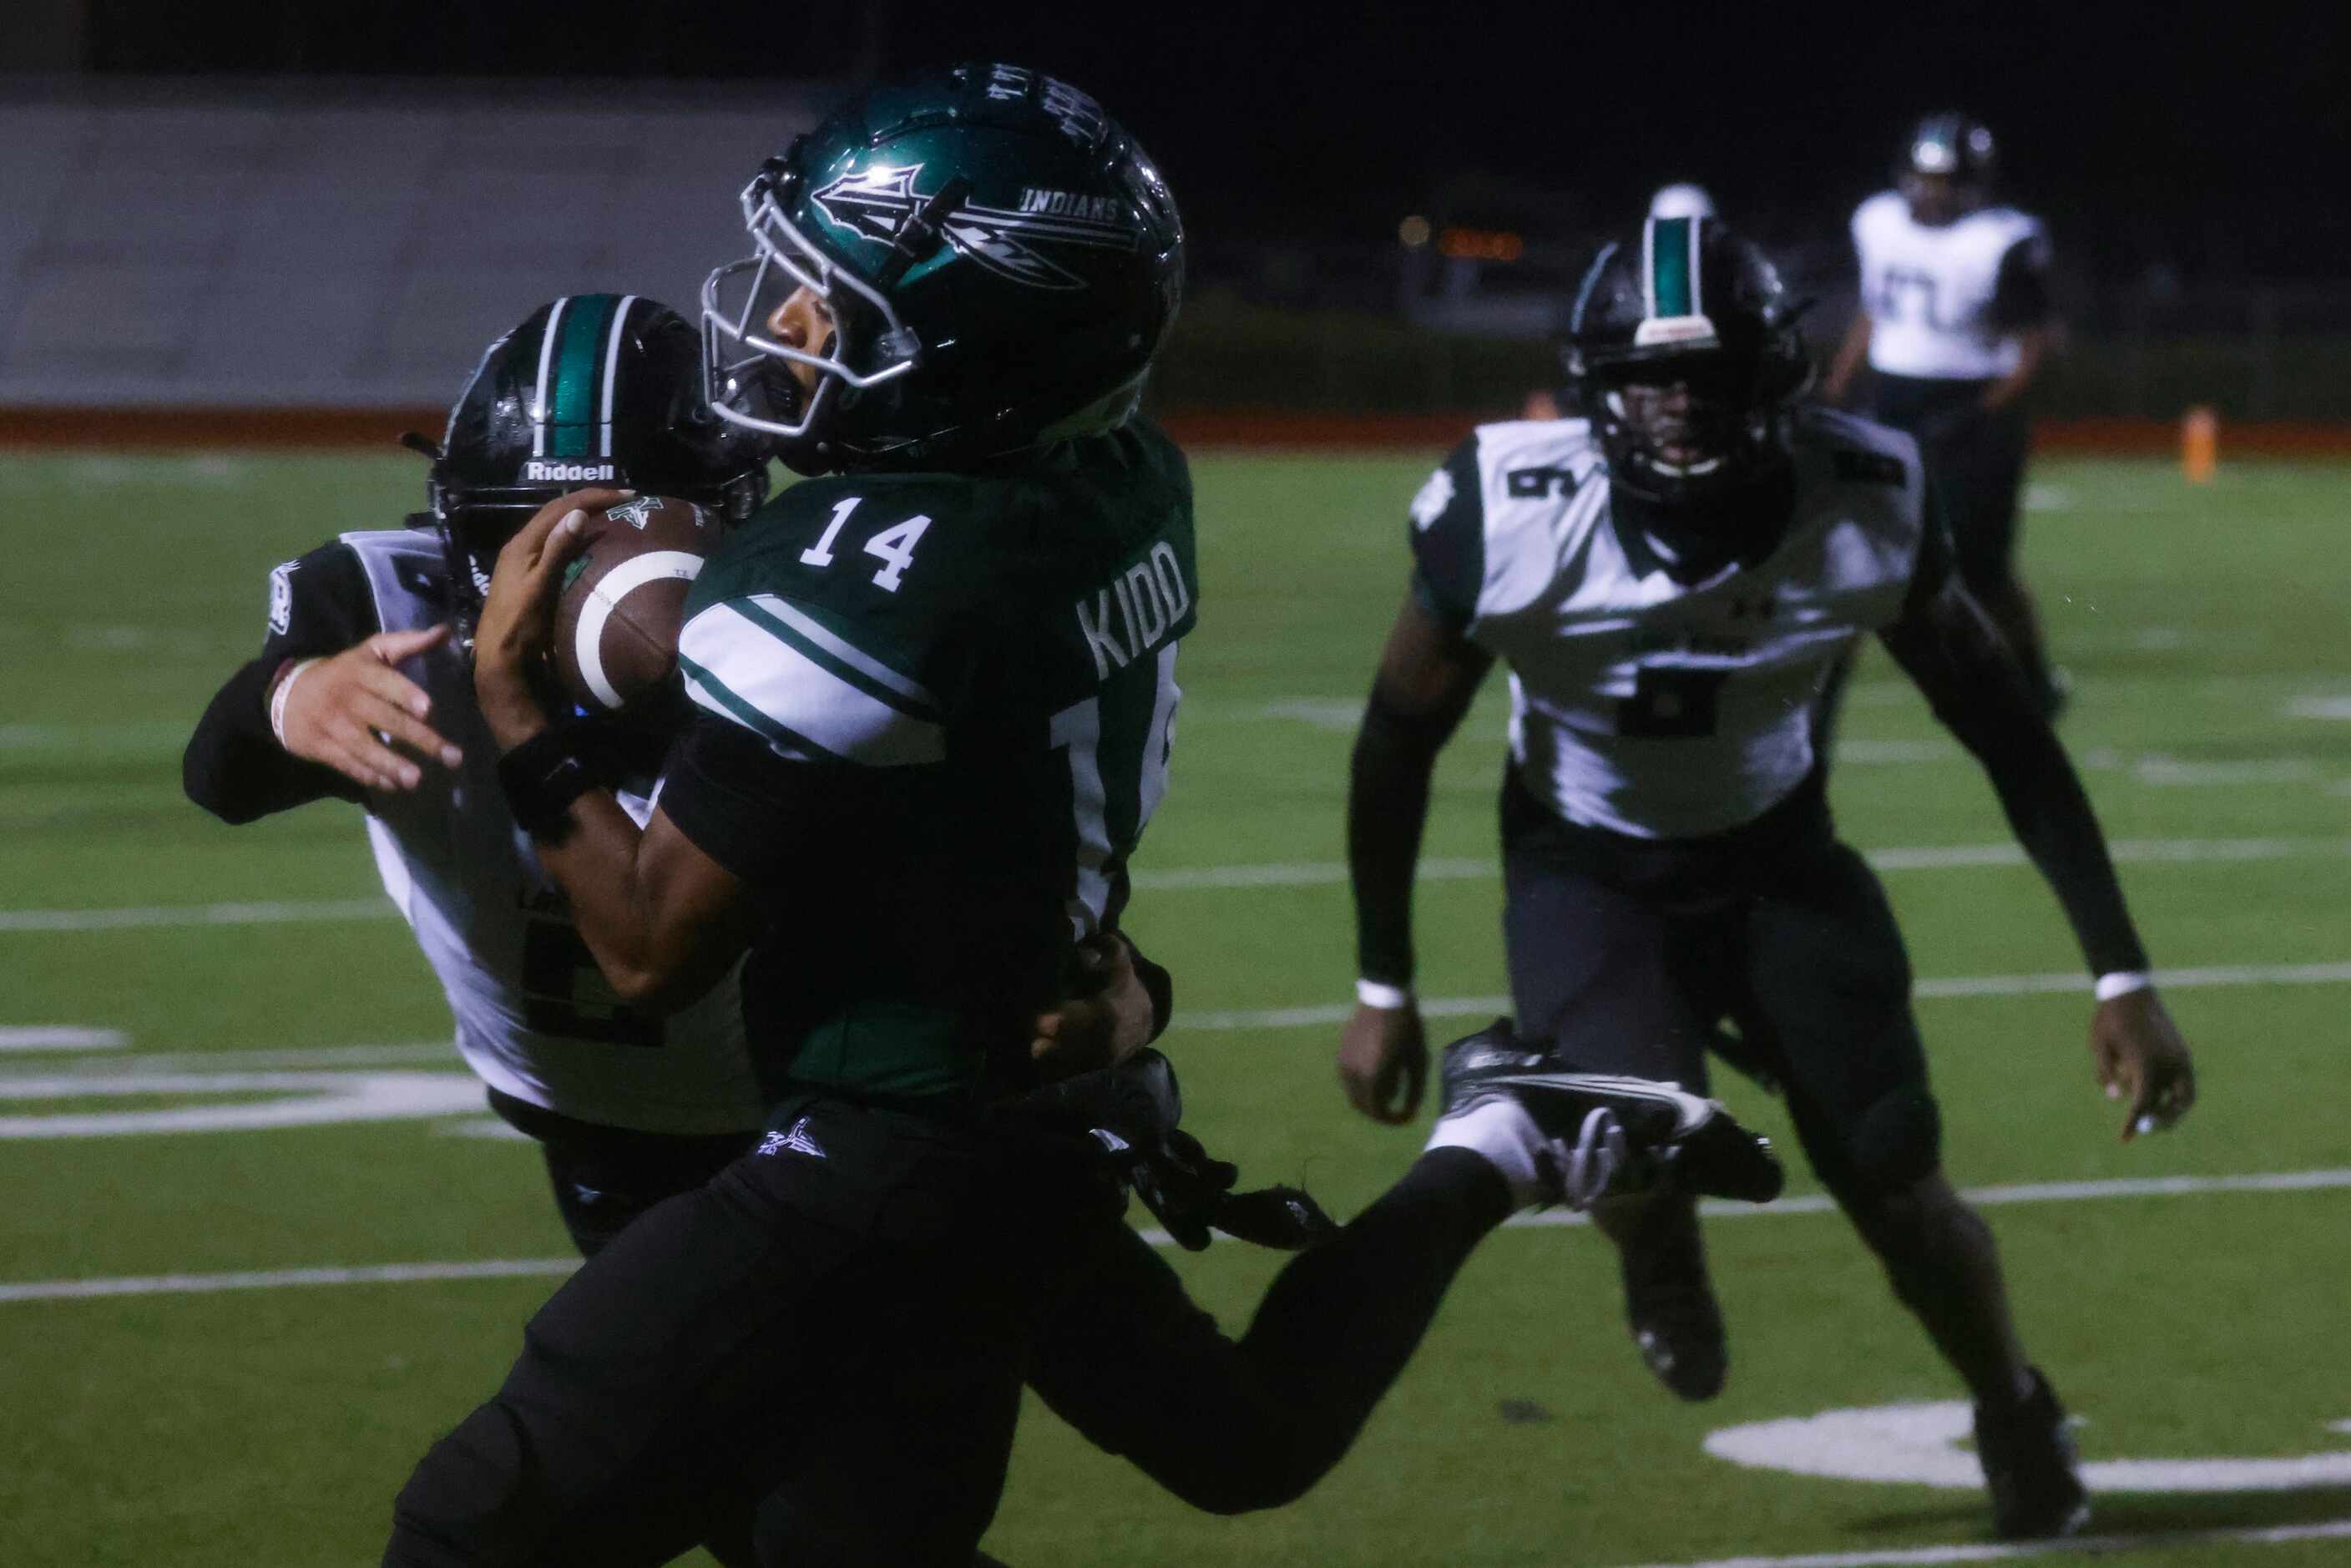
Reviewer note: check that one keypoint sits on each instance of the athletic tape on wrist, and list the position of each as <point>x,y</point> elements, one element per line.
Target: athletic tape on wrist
<point>278,698</point>
<point>1378,994</point>
<point>2122,983</point>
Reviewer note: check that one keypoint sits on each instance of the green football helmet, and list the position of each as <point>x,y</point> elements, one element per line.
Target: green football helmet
<point>998,259</point>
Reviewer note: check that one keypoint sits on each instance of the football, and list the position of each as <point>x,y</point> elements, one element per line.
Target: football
<point>623,601</point>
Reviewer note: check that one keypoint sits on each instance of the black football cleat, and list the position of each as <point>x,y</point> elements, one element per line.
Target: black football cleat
<point>2028,1468</point>
<point>1611,1133</point>
<point>1669,1302</point>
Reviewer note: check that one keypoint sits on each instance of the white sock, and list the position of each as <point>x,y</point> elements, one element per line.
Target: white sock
<point>1501,1131</point>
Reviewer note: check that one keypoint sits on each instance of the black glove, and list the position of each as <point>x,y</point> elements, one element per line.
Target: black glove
<point>1130,1110</point>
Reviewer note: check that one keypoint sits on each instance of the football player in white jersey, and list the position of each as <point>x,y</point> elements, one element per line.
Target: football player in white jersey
<point>1955,322</point>
<point>363,690</point>
<point>1670,580</point>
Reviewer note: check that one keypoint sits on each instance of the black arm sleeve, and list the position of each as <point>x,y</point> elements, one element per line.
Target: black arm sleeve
<point>233,767</point>
<point>1980,691</point>
<point>2019,294</point>
<point>1387,809</point>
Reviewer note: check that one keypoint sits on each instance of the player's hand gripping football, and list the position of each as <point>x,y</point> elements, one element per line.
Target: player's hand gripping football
<point>2141,1058</point>
<point>518,617</point>
<point>1106,1019</point>
<point>357,714</point>
<point>1383,1063</point>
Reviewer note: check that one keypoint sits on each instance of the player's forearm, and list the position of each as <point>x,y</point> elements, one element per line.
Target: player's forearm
<point>2049,812</point>
<point>1387,809</point>
<point>654,962</point>
<point>2053,820</point>
<point>1984,696</point>
<point>235,767</point>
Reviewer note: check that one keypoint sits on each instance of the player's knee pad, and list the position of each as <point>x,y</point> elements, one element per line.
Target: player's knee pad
<point>1893,1144</point>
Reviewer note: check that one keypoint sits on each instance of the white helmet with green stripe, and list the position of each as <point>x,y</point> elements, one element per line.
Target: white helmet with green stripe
<point>1682,350</point>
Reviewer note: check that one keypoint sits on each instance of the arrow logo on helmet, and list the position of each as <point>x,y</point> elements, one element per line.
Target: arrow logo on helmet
<point>876,204</point>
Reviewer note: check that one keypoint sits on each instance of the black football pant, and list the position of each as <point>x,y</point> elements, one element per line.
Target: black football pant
<point>1772,946</point>
<point>604,1177</point>
<point>825,1354</point>
<point>1976,460</point>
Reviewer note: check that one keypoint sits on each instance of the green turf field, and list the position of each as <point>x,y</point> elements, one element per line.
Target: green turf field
<point>270,1424</point>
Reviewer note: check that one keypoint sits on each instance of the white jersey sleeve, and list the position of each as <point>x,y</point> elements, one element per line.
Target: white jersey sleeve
<point>1946,303</point>
<point>1665,710</point>
<point>534,1017</point>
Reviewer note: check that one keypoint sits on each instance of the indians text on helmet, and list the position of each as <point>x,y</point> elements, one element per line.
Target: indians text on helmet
<point>875,205</point>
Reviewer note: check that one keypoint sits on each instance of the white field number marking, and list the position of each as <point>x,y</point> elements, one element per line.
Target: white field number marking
<point>297,1100</point>
<point>1920,1445</point>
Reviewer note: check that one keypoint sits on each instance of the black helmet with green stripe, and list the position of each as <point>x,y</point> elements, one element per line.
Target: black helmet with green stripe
<point>592,389</point>
<point>1682,350</point>
<point>994,260</point>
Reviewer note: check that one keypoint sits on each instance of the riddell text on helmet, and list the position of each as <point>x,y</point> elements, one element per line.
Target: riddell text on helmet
<point>538,470</point>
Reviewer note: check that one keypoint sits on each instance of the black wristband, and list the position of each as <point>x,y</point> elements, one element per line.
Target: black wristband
<point>1157,984</point>
<point>543,777</point>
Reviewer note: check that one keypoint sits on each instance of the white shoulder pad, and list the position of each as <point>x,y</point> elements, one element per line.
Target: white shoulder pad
<point>1530,474</point>
<point>1876,215</point>
<point>1519,443</point>
<point>2007,223</point>
<point>406,572</point>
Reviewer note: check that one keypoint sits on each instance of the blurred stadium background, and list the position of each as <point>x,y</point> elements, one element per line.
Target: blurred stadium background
<point>226,231</point>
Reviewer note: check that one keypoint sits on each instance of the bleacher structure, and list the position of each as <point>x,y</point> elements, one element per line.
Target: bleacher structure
<point>311,246</point>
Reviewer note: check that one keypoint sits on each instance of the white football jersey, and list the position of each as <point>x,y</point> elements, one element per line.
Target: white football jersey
<point>1637,704</point>
<point>536,1019</point>
<point>1929,292</point>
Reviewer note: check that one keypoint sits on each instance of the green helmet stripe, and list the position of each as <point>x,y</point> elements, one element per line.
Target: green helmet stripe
<point>575,370</point>
<point>1672,270</point>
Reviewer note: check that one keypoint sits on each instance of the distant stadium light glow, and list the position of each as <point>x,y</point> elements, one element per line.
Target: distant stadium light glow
<point>1481,244</point>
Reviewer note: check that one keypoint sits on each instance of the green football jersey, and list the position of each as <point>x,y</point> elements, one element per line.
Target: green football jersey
<point>963,689</point>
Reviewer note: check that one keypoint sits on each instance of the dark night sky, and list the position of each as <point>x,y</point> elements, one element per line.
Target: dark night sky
<point>2213,136</point>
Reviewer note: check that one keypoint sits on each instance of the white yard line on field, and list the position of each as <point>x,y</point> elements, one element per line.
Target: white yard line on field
<point>1294,873</point>
<point>2011,1552</point>
<point>50,1037</point>
<point>182,914</point>
<point>282,1278</point>
<point>496,1269</point>
<point>442,1052</point>
<point>1956,986</point>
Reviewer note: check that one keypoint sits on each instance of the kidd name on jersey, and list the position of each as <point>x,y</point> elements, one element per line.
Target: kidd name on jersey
<point>1639,704</point>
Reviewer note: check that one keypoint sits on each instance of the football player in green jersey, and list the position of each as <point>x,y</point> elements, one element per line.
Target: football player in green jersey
<point>934,701</point>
